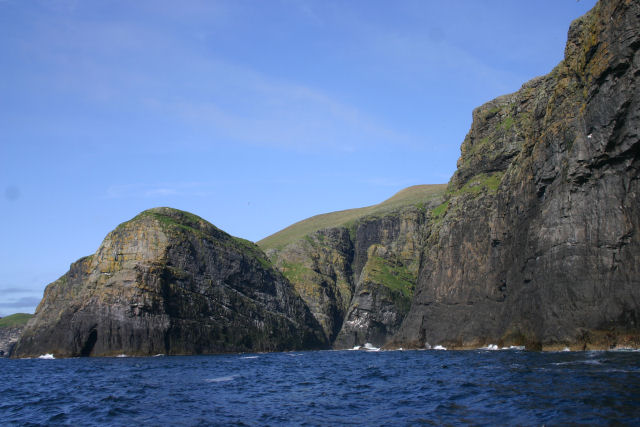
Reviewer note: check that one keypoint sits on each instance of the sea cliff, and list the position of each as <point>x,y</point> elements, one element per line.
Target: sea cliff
<point>168,282</point>
<point>534,242</point>
<point>537,241</point>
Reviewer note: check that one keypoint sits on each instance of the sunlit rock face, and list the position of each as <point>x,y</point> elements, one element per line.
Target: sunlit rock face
<point>537,242</point>
<point>168,282</point>
<point>358,279</point>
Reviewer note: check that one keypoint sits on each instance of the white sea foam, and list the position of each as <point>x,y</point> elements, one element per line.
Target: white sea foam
<point>566,349</point>
<point>249,357</point>
<point>122,355</point>
<point>625,349</point>
<point>439,347</point>
<point>369,347</point>
<point>46,356</point>
<point>158,355</point>
<point>220,379</point>
<point>513,347</point>
<point>491,347</point>
<point>355,348</point>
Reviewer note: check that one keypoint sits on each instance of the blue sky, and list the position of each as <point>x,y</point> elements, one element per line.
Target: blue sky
<point>251,114</point>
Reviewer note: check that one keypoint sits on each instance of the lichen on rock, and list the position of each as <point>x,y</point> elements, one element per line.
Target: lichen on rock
<point>547,257</point>
<point>168,282</point>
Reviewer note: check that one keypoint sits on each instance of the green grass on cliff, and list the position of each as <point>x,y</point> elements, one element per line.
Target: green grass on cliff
<point>480,183</point>
<point>392,275</point>
<point>411,196</point>
<point>15,320</point>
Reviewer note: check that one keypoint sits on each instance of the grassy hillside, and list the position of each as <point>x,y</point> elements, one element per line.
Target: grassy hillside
<point>18,319</point>
<point>415,196</point>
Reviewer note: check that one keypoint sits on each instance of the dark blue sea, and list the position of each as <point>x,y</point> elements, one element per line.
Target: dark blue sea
<point>326,388</point>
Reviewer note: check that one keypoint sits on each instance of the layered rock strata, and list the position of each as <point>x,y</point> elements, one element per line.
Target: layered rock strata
<point>358,279</point>
<point>168,282</point>
<point>8,338</point>
<point>537,243</point>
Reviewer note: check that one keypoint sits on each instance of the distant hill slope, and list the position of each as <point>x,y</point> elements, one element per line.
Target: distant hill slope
<point>414,195</point>
<point>10,329</point>
<point>15,320</point>
<point>547,255</point>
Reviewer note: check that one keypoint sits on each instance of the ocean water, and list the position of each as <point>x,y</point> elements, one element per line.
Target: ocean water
<point>326,388</point>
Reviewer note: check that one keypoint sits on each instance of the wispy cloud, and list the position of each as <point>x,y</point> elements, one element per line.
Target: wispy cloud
<point>160,190</point>
<point>424,56</point>
<point>124,64</point>
<point>264,111</point>
<point>7,291</point>
<point>21,303</point>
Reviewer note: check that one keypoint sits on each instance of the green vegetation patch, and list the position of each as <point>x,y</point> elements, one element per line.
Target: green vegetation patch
<point>439,211</point>
<point>411,196</point>
<point>251,248</point>
<point>391,274</point>
<point>175,219</point>
<point>15,320</point>
<point>491,112</point>
<point>479,184</point>
<point>296,273</point>
<point>184,220</point>
<point>507,123</point>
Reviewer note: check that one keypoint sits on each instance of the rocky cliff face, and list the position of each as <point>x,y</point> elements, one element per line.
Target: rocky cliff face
<point>358,279</point>
<point>537,242</point>
<point>169,282</point>
<point>8,338</point>
<point>11,328</point>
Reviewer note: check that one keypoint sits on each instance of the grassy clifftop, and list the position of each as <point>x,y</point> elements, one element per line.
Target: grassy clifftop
<point>15,320</point>
<point>411,196</point>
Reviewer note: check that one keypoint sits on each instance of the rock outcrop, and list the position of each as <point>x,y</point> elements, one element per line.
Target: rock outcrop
<point>11,328</point>
<point>537,243</point>
<point>8,338</point>
<point>168,282</point>
<point>358,278</point>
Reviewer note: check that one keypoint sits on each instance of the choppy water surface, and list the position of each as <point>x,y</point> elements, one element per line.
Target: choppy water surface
<point>326,388</point>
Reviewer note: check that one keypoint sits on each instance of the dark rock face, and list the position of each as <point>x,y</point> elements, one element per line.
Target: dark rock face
<point>358,280</point>
<point>538,241</point>
<point>8,338</point>
<point>386,261</point>
<point>168,282</point>
<point>319,267</point>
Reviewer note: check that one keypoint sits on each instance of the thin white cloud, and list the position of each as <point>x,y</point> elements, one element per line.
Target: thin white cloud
<point>10,290</point>
<point>260,110</point>
<point>160,190</point>
<point>21,302</point>
<point>141,68</point>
